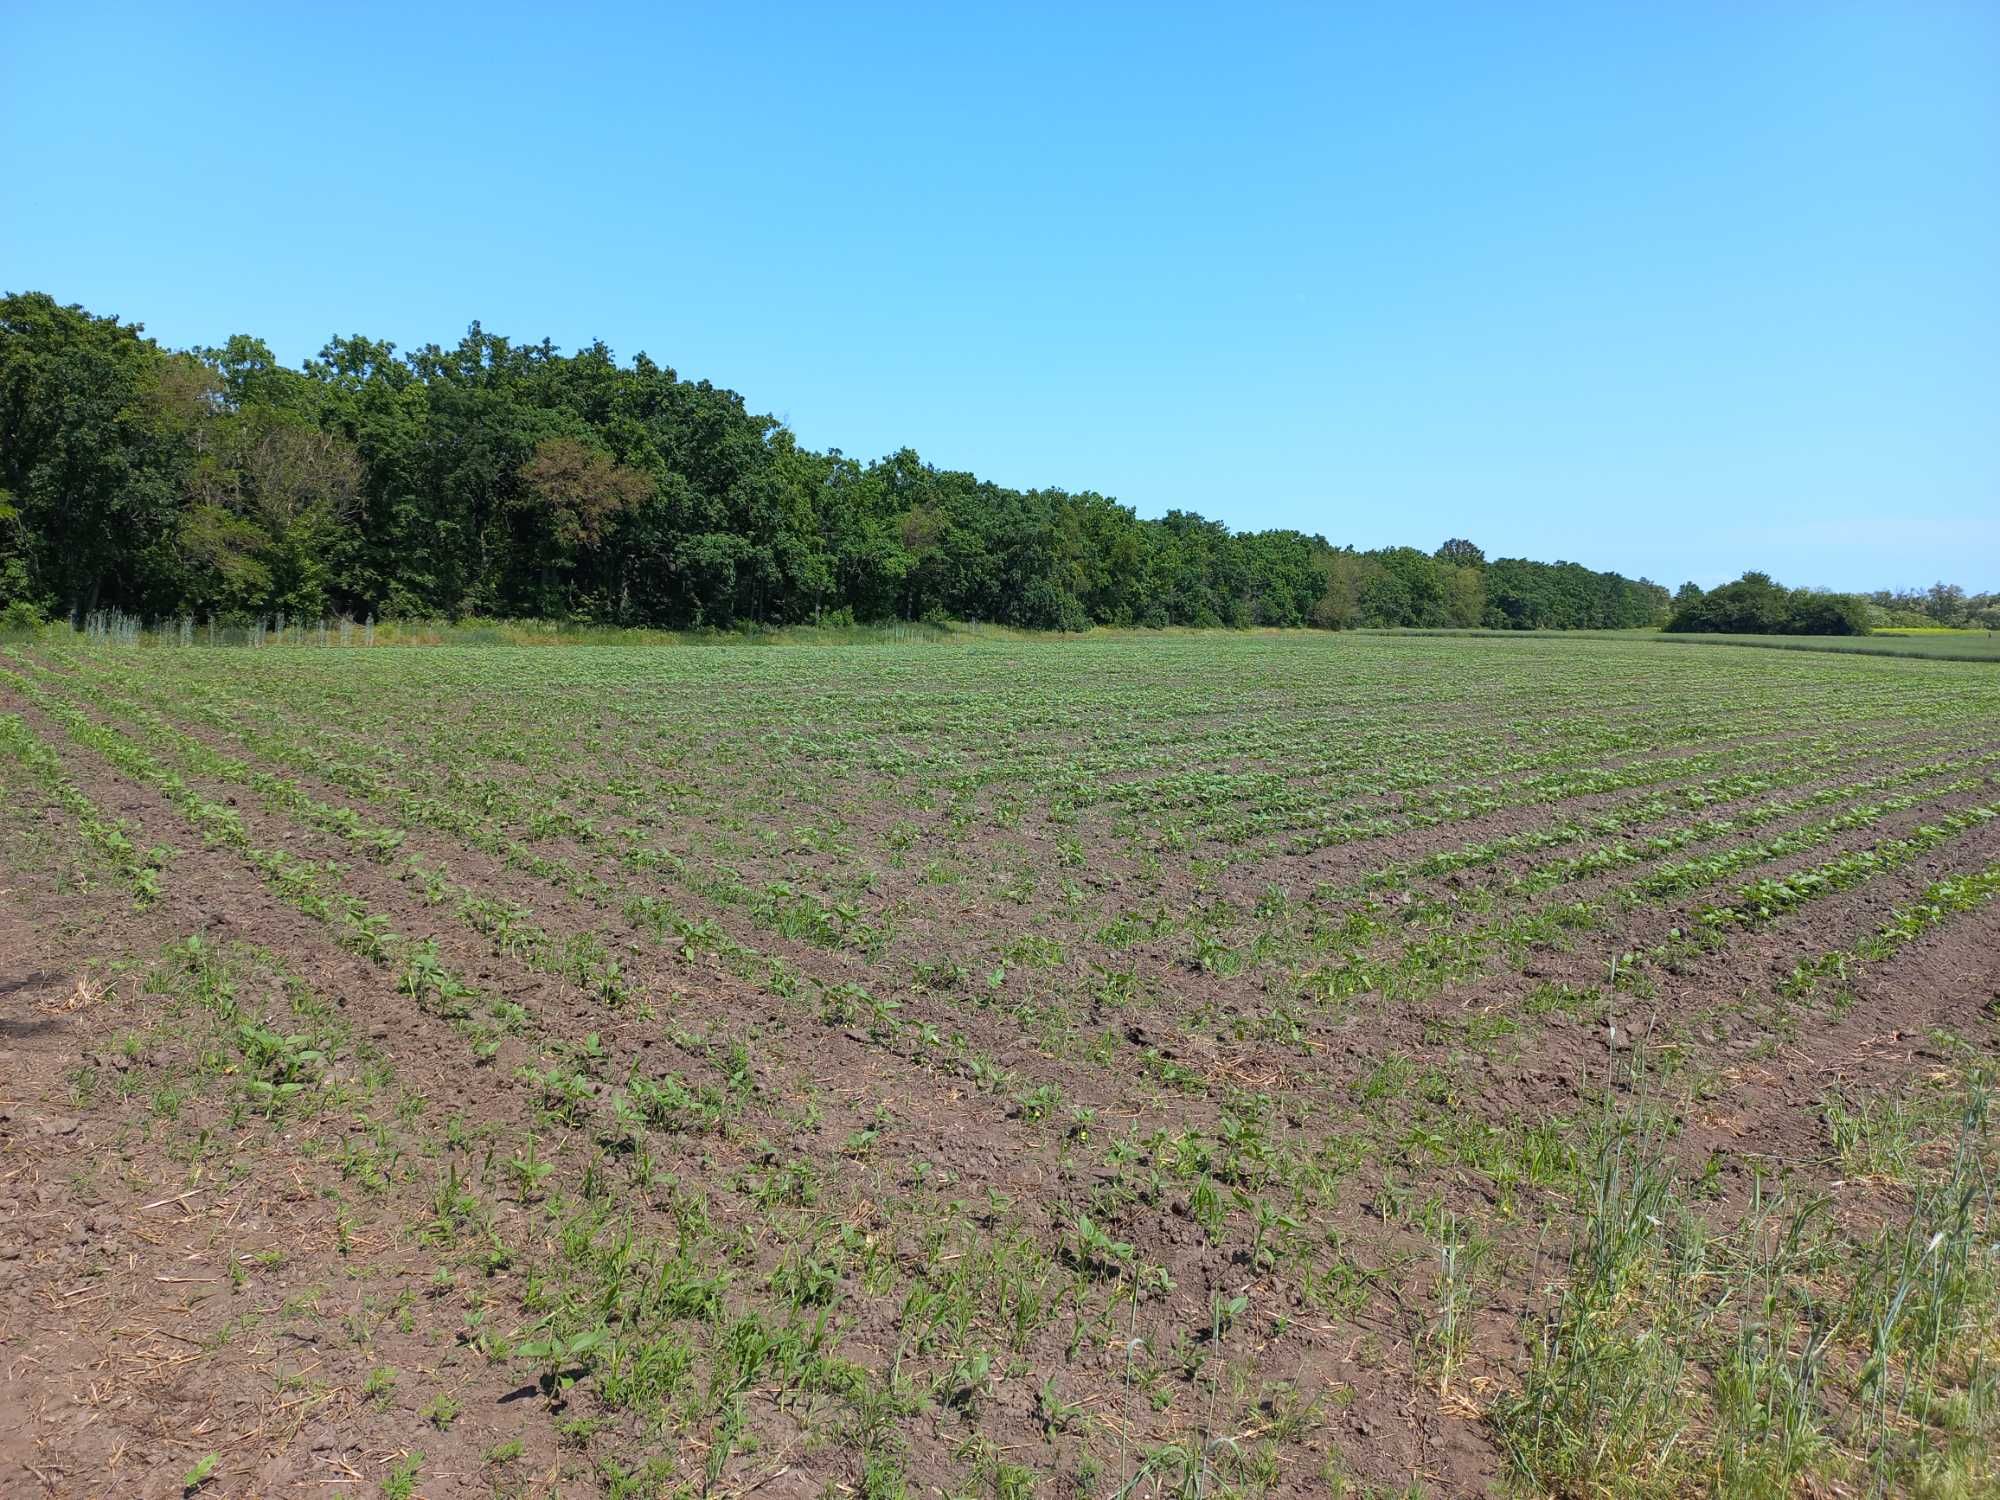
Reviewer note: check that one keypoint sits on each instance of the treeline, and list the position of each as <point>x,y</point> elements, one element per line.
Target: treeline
<point>513,480</point>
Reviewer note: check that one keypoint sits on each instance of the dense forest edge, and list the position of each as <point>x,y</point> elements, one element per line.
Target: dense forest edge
<point>513,481</point>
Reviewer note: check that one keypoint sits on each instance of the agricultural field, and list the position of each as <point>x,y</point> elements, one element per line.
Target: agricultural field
<point>1208,1066</point>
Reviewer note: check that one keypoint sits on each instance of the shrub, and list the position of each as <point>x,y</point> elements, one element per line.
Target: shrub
<point>20,615</point>
<point>1757,605</point>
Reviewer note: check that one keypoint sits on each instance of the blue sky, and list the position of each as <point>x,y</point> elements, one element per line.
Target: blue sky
<point>1675,289</point>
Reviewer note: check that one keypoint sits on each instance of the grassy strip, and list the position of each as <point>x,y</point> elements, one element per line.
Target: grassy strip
<point>1677,1358</point>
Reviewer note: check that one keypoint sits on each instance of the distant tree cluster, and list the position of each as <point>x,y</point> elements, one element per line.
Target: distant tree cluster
<point>1942,604</point>
<point>1756,605</point>
<point>502,479</point>
<point>1457,586</point>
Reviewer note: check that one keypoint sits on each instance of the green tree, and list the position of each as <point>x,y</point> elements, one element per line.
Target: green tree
<point>1347,577</point>
<point>569,499</point>
<point>1461,553</point>
<point>89,455</point>
<point>269,504</point>
<point>1464,595</point>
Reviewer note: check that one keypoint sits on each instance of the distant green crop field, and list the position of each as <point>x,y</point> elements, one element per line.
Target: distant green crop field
<point>1935,645</point>
<point>1956,645</point>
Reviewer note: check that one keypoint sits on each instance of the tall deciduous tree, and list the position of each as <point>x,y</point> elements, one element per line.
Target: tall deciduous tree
<point>1461,553</point>
<point>86,455</point>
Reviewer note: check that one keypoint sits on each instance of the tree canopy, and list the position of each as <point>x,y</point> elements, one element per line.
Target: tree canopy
<point>498,478</point>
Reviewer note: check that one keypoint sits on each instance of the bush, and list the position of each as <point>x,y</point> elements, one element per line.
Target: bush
<point>1044,605</point>
<point>1757,605</point>
<point>1827,614</point>
<point>21,616</point>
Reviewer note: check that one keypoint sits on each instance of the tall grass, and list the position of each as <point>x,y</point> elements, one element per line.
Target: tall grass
<point>1791,1347</point>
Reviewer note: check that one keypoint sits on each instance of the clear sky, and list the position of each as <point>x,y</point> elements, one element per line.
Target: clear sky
<point>1672,289</point>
